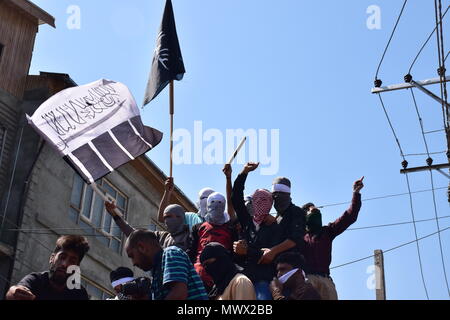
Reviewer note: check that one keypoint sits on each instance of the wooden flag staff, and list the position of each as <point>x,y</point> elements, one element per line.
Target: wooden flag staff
<point>97,189</point>
<point>233,156</point>
<point>172,111</point>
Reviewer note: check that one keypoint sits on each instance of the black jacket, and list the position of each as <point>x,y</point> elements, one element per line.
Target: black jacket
<point>267,236</point>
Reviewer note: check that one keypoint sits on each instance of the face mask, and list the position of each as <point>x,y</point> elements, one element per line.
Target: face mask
<point>174,223</point>
<point>314,221</point>
<point>262,203</point>
<point>282,201</point>
<point>202,203</point>
<point>216,209</point>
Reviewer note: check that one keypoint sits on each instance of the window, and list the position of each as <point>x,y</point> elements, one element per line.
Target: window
<point>88,211</point>
<point>1,50</point>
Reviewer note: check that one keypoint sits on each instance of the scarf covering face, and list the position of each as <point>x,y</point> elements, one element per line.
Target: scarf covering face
<point>215,213</point>
<point>281,191</point>
<point>223,270</point>
<point>314,221</point>
<point>202,201</point>
<point>175,224</point>
<point>262,203</point>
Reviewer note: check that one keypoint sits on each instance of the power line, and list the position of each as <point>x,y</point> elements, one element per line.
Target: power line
<point>389,250</point>
<point>426,42</point>
<point>429,161</point>
<point>396,224</point>
<point>390,39</point>
<point>405,163</point>
<point>380,197</point>
<point>439,235</point>
<point>424,154</point>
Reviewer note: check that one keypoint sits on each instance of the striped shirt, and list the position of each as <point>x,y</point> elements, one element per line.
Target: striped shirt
<point>173,265</point>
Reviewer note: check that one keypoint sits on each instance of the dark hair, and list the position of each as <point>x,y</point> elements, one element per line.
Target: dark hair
<point>308,205</point>
<point>296,260</point>
<point>141,235</point>
<point>121,272</point>
<point>78,244</point>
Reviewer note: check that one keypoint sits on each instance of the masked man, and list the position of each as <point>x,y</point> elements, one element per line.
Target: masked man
<point>290,218</point>
<point>215,229</point>
<point>318,243</point>
<point>259,230</point>
<point>229,283</point>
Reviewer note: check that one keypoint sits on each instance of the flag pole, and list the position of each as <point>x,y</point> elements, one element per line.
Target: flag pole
<point>100,193</point>
<point>172,111</point>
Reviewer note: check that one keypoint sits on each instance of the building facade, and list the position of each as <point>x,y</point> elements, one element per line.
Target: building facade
<point>41,196</point>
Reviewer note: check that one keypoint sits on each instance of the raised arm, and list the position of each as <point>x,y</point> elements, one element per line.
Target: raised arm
<point>237,194</point>
<point>351,214</point>
<point>165,201</point>
<point>121,223</point>
<point>227,170</point>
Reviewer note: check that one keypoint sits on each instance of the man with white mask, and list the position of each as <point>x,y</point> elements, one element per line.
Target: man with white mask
<point>291,283</point>
<point>215,229</point>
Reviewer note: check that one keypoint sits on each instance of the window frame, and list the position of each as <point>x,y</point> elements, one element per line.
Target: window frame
<point>88,221</point>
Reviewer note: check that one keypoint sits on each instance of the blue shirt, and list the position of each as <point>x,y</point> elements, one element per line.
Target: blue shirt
<point>191,219</point>
<point>173,265</point>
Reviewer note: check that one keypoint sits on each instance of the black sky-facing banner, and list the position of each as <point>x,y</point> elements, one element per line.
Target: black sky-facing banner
<point>167,62</point>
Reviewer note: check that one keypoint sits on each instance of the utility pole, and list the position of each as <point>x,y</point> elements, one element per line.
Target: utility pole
<point>380,289</point>
<point>420,85</point>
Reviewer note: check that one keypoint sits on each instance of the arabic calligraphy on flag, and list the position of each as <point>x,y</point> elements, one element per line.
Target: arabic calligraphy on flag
<point>96,127</point>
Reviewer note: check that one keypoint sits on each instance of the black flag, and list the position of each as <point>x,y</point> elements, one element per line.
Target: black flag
<point>167,62</point>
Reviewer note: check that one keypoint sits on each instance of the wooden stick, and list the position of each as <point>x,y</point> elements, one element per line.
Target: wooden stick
<point>172,111</point>
<point>237,150</point>
<point>97,190</point>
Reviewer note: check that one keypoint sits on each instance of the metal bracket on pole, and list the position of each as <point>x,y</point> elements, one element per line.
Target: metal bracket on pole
<point>428,92</point>
<point>409,85</point>
<point>424,168</point>
<point>443,173</point>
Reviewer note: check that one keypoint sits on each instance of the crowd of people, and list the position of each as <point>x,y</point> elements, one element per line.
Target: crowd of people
<point>233,248</point>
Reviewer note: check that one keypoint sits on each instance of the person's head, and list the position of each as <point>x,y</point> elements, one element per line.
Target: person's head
<point>141,247</point>
<point>313,218</point>
<point>216,260</point>
<point>174,218</point>
<point>288,261</point>
<point>202,201</point>
<point>120,276</point>
<point>262,203</point>
<point>248,204</point>
<point>216,209</point>
<point>69,250</point>
<point>281,192</point>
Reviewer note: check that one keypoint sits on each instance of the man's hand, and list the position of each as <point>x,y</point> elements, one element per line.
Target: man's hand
<point>267,257</point>
<point>169,185</point>
<point>227,170</point>
<point>276,285</point>
<point>250,166</point>
<point>110,207</point>
<point>240,247</point>
<point>20,293</point>
<point>358,185</point>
